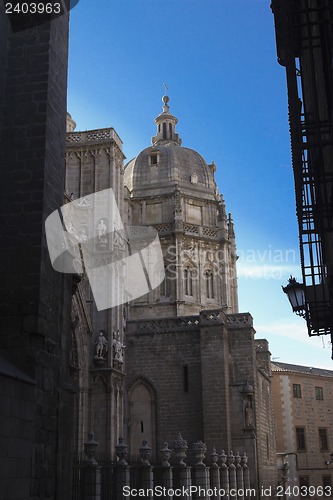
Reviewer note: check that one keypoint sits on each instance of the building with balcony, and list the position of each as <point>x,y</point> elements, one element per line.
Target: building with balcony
<point>304,39</point>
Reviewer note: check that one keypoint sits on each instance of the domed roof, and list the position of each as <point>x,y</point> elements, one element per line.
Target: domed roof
<point>166,163</point>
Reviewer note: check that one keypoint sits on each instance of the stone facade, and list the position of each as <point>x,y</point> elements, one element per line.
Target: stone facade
<point>303,405</point>
<point>191,363</point>
<point>36,384</point>
<point>94,162</point>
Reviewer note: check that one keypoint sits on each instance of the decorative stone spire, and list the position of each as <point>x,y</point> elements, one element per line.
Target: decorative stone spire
<point>166,126</point>
<point>231,231</point>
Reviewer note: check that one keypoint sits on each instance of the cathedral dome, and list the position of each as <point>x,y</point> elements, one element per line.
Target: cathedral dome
<point>166,163</point>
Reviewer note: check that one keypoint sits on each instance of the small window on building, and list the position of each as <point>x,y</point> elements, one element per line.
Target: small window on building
<point>165,285</point>
<point>300,438</point>
<point>297,391</point>
<point>268,448</point>
<point>153,160</point>
<point>185,375</point>
<point>323,441</point>
<point>319,393</point>
<point>327,485</point>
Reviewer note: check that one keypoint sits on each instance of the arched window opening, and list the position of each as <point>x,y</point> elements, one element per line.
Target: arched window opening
<point>170,130</point>
<point>209,284</point>
<point>166,284</point>
<point>188,282</point>
<point>164,131</point>
<point>142,418</point>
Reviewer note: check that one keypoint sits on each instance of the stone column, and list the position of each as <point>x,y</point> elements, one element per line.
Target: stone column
<point>182,472</point>
<point>122,470</point>
<point>147,470</point>
<point>200,471</point>
<point>239,477</point>
<point>224,476</point>
<point>91,484</point>
<point>246,472</point>
<point>167,479</point>
<point>232,472</point>
<point>215,480</point>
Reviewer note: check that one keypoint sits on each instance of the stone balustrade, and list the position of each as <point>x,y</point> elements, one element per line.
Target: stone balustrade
<point>227,475</point>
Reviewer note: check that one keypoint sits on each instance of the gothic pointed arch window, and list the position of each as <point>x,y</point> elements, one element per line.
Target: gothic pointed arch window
<point>188,281</point>
<point>166,283</point>
<point>209,279</point>
<point>142,417</point>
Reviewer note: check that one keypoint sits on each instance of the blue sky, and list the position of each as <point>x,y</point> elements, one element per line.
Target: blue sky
<point>228,92</point>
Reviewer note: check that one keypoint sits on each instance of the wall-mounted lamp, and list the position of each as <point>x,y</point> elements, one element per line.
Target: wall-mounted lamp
<point>296,296</point>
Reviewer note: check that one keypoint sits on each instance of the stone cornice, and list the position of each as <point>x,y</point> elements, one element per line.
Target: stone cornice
<point>239,320</point>
<point>206,318</point>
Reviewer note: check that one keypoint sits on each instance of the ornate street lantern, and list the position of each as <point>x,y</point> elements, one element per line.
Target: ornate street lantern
<point>295,293</point>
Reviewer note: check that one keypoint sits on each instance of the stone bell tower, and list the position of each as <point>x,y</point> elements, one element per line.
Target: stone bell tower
<point>191,360</point>
<point>173,189</point>
<point>94,163</point>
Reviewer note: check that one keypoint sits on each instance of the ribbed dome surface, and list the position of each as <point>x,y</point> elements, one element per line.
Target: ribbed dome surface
<point>175,165</point>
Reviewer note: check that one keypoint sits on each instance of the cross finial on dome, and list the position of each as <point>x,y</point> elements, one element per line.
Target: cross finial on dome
<point>165,99</point>
<point>166,124</point>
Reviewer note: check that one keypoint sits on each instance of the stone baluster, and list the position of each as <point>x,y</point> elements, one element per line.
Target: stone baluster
<point>180,447</point>
<point>224,476</point>
<point>91,484</point>
<point>246,472</point>
<point>182,472</point>
<point>121,451</point>
<point>200,471</point>
<point>147,470</point>
<point>232,475</point>
<point>122,470</point>
<point>239,477</point>
<point>145,454</point>
<point>167,479</point>
<point>215,475</point>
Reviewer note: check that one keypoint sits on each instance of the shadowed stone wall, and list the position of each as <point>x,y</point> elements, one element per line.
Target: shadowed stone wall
<point>35,300</point>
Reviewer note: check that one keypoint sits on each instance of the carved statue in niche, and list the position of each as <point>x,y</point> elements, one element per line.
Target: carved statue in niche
<point>83,235</point>
<point>190,251</point>
<point>118,346</point>
<point>101,345</point>
<point>194,178</point>
<point>248,413</point>
<point>101,229</point>
<point>118,238</point>
<point>102,233</point>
